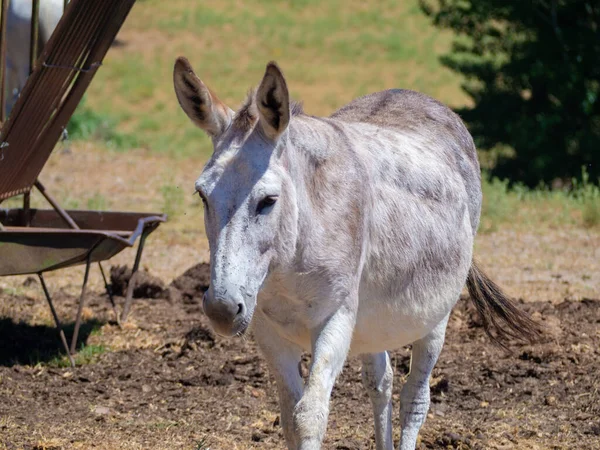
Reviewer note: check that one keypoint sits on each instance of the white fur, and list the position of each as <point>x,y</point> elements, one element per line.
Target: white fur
<point>18,36</point>
<point>366,249</point>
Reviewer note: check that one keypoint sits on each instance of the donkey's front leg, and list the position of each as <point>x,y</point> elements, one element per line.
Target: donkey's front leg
<point>283,358</point>
<point>331,343</point>
<point>414,398</point>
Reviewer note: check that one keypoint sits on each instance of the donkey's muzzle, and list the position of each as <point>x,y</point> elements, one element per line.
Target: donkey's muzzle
<point>226,314</point>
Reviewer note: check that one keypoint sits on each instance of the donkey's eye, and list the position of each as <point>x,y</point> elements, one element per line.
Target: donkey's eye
<point>203,198</point>
<point>265,204</point>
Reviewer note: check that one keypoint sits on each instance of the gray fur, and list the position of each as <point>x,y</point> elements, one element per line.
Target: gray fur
<point>365,244</point>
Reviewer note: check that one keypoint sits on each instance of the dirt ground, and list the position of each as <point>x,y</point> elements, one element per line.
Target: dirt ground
<point>166,381</point>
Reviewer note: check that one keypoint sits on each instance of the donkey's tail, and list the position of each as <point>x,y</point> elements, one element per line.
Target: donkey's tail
<point>501,319</point>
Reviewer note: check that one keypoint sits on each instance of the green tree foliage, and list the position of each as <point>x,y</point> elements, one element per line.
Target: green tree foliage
<point>532,68</point>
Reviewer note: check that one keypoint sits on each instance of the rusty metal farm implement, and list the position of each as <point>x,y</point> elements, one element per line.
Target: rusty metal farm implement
<point>34,241</point>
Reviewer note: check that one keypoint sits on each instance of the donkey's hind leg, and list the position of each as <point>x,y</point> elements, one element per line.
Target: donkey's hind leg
<point>414,398</point>
<point>378,377</point>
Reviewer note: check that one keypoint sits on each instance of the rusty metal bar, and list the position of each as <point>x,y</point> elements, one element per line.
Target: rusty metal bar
<point>61,212</point>
<point>26,208</point>
<point>69,54</point>
<point>49,95</point>
<point>35,33</point>
<point>133,278</point>
<point>110,295</point>
<point>56,321</point>
<point>80,308</point>
<point>111,22</point>
<point>3,26</point>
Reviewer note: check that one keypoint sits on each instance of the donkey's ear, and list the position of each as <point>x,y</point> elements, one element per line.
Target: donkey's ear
<point>198,101</point>
<point>273,102</point>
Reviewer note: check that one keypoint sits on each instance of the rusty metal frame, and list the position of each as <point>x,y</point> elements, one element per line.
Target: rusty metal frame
<point>35,33</point>
<point>71,223</point>
<point>44,223</point>
<point>58,80</point>
<point>80,307</point>
<point>67,65</point>
<point>3,26</point>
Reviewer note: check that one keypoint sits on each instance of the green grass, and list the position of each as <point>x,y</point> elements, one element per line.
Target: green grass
<point>87,124</point>
<point>97,202</point>
<point>202,444</point>
<point>497,203</point>
<point>587,196</point>
<point>173,200</point>
<point>86,354</point>
<point>330,51</point>
<point>578,205</point>
<point>16,291</point>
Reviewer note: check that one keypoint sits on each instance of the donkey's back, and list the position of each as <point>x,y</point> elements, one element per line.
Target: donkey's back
<point>416,114</point>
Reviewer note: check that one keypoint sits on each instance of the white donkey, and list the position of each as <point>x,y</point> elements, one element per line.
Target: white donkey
<point>18,38</point>
<point>347,235</point>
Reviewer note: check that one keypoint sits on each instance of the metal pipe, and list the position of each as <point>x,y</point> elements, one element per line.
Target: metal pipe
<point>35,33</point>
<point>80,308</point>
<point>61,212</point>
<point>110,295</point>
<point>56,321</point>
<point>133,278</point>
<point>3,26</point>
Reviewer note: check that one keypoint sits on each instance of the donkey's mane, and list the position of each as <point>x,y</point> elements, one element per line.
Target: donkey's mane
<point>247,114</point>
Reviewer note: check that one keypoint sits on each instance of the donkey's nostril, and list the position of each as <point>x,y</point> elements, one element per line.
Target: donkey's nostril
<point>226,312</point>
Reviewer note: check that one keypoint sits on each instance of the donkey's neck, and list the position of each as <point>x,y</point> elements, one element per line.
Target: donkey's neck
<point>311,146</point>
<point>330,181</point>
<point>311,139</point>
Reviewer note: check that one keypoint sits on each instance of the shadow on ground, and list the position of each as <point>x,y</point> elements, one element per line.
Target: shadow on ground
<point>33,344</point>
